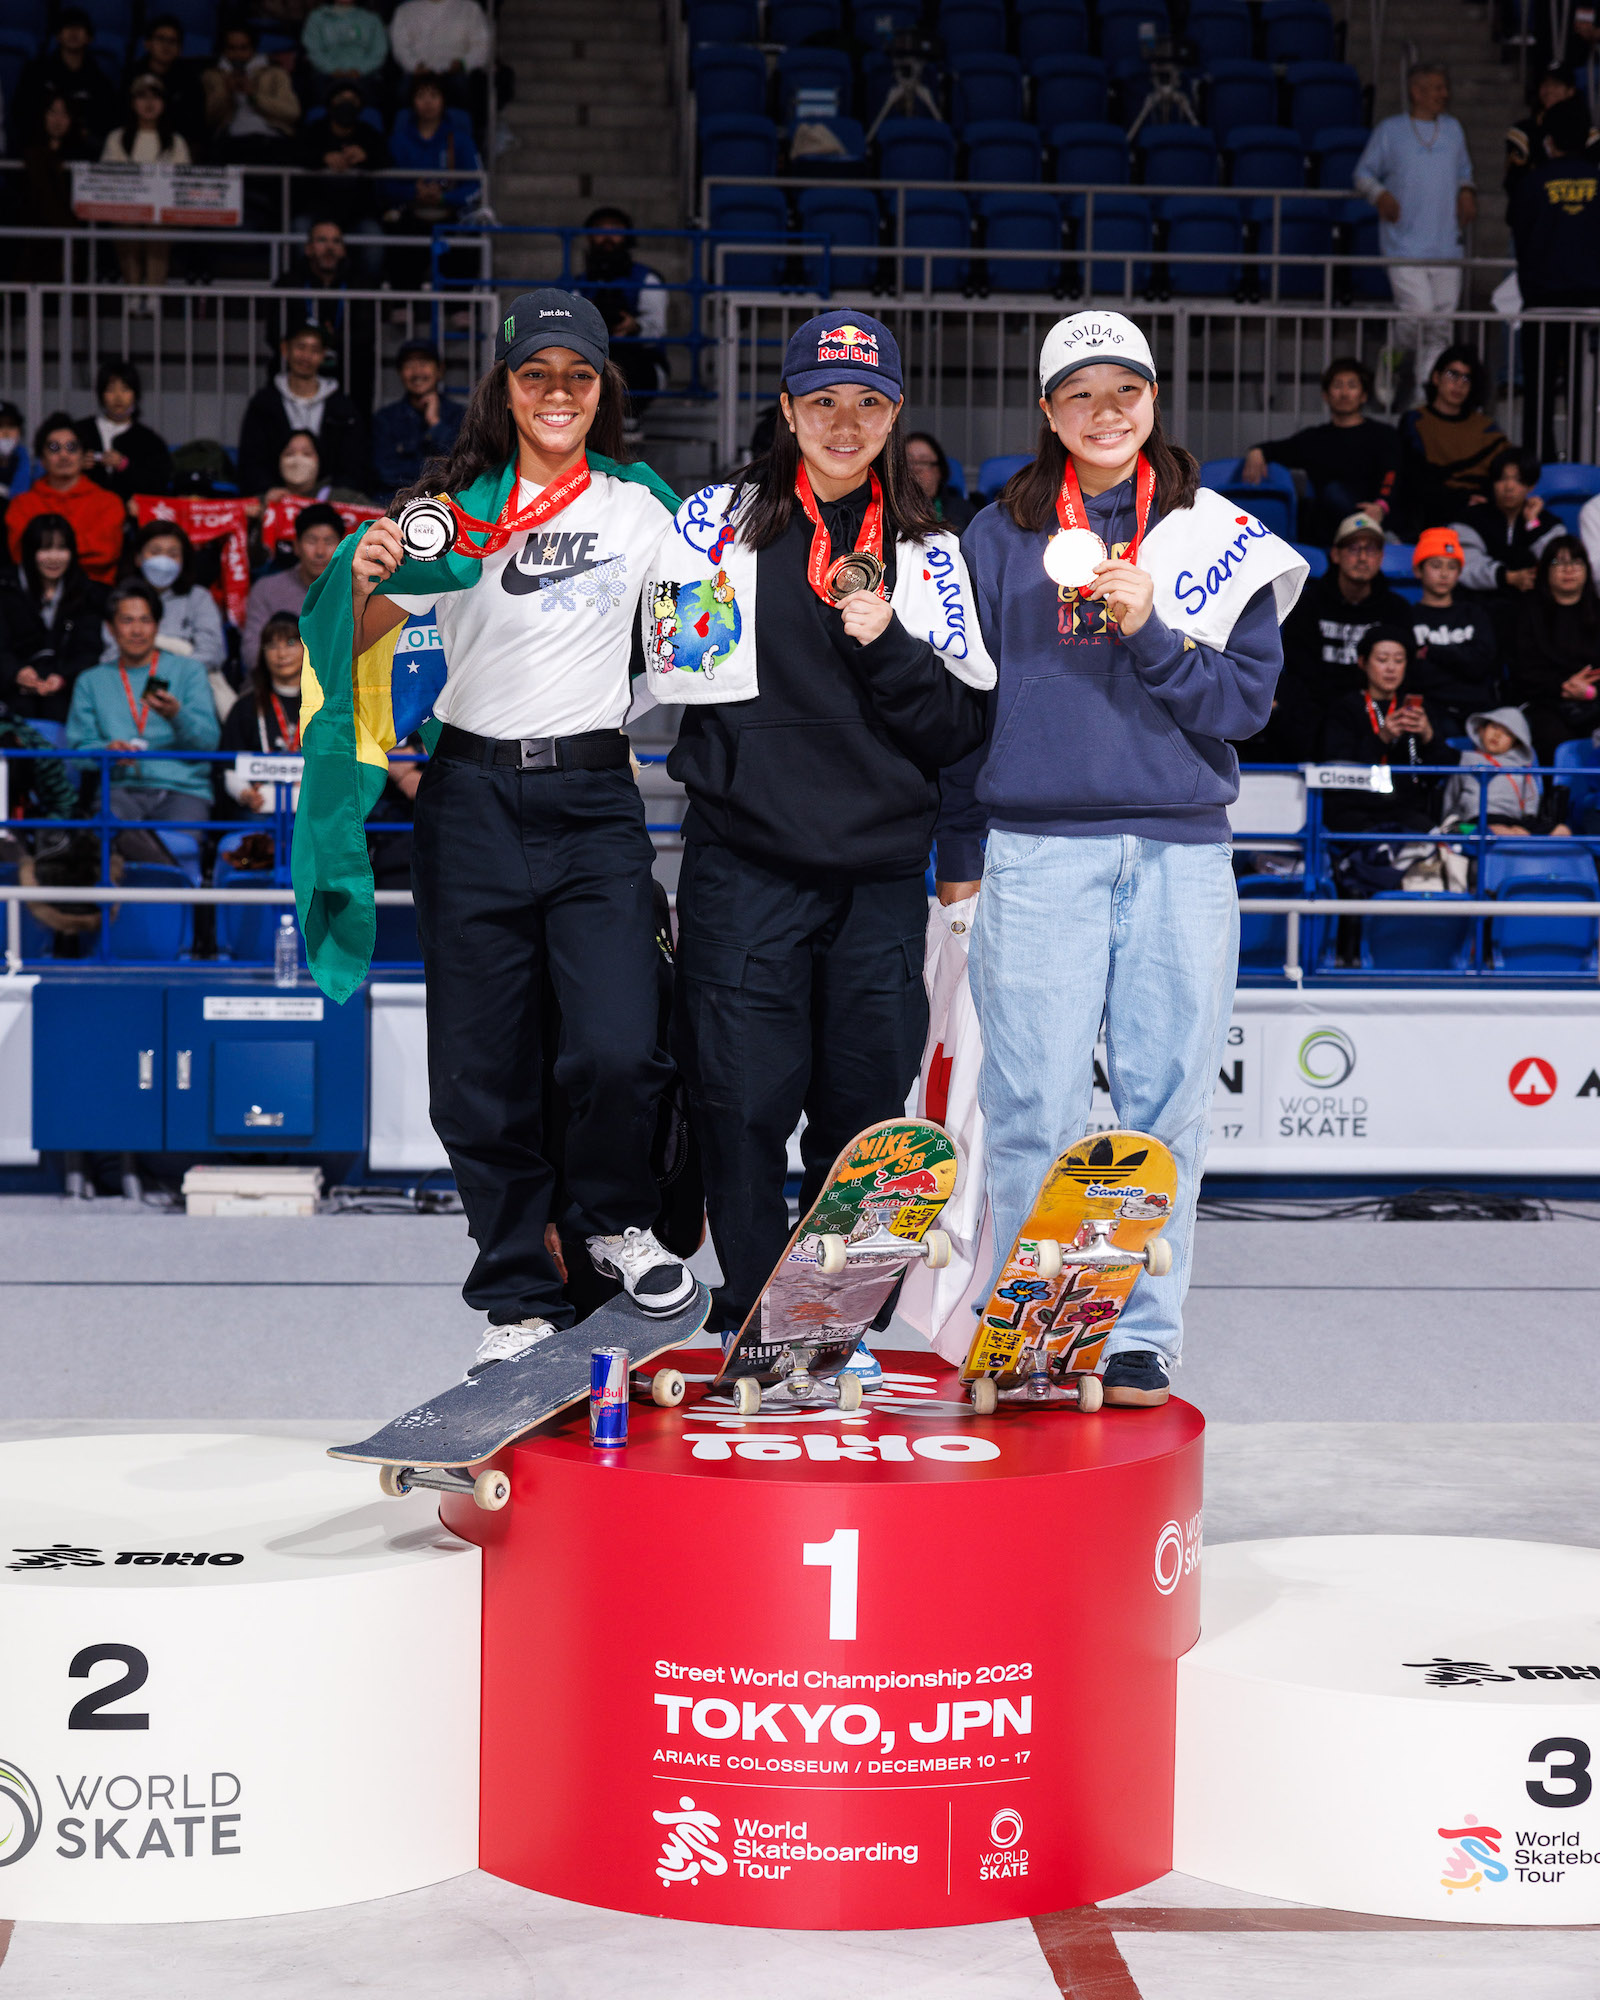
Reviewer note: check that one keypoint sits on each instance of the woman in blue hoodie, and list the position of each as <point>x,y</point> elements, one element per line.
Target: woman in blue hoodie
<point>1133,617</point>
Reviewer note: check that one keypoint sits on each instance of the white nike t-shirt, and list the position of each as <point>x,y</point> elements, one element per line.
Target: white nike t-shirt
<point>540,644</point>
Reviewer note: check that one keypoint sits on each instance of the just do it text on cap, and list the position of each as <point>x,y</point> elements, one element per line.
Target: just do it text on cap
<point>1084,339</point>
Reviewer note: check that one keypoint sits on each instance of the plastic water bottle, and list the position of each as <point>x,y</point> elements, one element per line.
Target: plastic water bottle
<point>285,953</point>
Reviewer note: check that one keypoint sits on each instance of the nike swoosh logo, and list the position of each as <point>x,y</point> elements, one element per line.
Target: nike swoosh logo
<point>524,582</point>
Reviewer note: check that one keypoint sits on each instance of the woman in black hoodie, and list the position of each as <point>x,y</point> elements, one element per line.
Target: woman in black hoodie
<point>50,621</point>
<point>1556,668</point>
<point>1385,722</point>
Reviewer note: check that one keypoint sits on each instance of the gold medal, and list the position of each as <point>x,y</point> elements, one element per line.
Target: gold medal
<point>1070,557</point>
<point>860,570</point>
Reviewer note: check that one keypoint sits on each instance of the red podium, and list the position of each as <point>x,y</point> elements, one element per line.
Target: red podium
<point>904,1668</point>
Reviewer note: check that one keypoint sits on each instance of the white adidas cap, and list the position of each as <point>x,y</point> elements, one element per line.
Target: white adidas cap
<point>1082,339</point>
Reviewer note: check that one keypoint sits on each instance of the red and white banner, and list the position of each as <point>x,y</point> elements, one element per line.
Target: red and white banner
<point>279,517</point>
<point>203,520</point>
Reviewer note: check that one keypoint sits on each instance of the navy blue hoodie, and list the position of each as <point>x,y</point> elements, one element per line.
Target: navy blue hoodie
<point>1091,731</point>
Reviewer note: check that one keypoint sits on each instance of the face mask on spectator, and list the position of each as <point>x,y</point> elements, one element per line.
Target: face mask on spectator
<point>298,468</point>
<point>162,571</point>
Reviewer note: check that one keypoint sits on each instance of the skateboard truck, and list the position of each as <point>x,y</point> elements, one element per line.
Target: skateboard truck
<point>1092,1249</point>
<point>490,1490</point>
<point>835,1252</point>
<point>799,1385</point>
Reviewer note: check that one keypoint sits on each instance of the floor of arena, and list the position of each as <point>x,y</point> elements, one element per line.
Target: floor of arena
<point>1359,1377</point>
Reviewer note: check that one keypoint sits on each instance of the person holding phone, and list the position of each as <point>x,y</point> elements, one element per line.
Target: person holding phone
<point>1386,721</point>
<point>1133,616</point>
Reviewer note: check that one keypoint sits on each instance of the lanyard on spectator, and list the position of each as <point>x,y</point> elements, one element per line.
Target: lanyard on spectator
<point>869,543</point>
<point>287,736</point>
<point>1516,784</point>
<point>143,709</point>
<point>561,493</point>
<point>1372,714</point>
<point>1066,561</point>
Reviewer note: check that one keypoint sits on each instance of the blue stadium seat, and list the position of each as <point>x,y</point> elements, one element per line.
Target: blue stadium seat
<point>16,52</point>
<point>195,17</point>
<point>1052,31</point>
<point>879,21</point>
<point>1126,28</point>
<point>1274,501</point>
<point>30,18</point>
<point>244,930</point>
<point>1090,155</point>
<point>752,213</point>
<point>1201,226</point>
<point>1323,94</point>
<point>1002,150</point>
<point>985,87</point>
<point>1304,229</point>
<point>1548,873</point>
<point>1579,765</point>
<point>724,21</point>
<point>1178,156</point>
<point>1564,488</point>
<point>145,931</point>
<point>816,69</point>
<point>110,17</point>
<point>916,149</point>
<point>1266,156</point>
<point>1121,222</point>
<point>1521,861</point>
<point>1315,560</point>
<point>994,472</point>
<point>1416,944</point>
<point>1240,93</point>
<point>729,82</point>
<point>1359,227</point>
<point>790,22</point>
<point>970,27</point>
<point>1297,31</point>
<point>936,221</point>
<point>877,79</point>
<point>1397,561</point>
<point>846,216</point>
<point>738,144</point>
<point>1264,940</point>
<point>1022,222</point>
<point>1336,151</point>
<point>1221,31</point>
<point>1068,90</point>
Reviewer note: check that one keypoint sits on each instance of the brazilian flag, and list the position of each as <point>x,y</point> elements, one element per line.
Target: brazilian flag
<point>353,713</point>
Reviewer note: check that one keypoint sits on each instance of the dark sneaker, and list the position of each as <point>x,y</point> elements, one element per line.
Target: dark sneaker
<point>1135,1381</point>
<point>652,1277</point>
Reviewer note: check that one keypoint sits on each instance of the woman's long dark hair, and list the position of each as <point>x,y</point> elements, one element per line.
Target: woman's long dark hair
<point>56,531</point>
<point>164,125</point>
<point>154,531</point>
<point>488,437</point>
<point>1029,496</point>
<point>282,624</point>
<point>1463,357</point>
<point>1544,610</point>
<point>907,511</point>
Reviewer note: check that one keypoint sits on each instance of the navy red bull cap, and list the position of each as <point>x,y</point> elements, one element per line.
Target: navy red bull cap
<point>842,347</point>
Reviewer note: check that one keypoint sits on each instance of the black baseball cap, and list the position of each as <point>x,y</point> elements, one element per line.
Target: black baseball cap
<point>842,347</point>
<point>425,348</point>
<point>551,318</point>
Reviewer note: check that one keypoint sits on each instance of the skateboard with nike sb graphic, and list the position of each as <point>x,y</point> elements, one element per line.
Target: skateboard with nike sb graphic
<point>840,1275</point>
<point>1094,1229</point>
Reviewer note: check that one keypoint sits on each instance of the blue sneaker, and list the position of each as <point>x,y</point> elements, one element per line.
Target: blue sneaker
<point>865,1364</point>
<point>1136,1381</point>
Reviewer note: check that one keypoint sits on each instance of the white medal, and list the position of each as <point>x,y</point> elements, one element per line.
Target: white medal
<point>1070,557</point>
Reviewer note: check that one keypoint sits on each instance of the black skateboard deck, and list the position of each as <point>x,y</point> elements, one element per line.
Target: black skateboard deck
<point>471,1421</point>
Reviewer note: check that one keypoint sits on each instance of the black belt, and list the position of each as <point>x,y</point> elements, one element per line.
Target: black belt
<point>594,750</point>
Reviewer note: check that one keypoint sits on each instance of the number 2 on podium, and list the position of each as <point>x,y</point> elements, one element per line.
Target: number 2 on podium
<point>840,1555</point>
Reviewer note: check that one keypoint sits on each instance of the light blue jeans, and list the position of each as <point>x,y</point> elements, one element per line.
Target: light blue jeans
<point>1143,935</point>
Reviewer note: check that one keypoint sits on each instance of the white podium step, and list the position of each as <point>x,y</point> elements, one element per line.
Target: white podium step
<point>234,1681</point>
<point>1405,1725</point>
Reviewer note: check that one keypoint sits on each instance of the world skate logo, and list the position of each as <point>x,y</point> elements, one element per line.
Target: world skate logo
<point>1470,1860</point>
<point>1327,1058</point>
<point>1006,1858</point>
<point>690,1848</point>
<point>21,1813</point>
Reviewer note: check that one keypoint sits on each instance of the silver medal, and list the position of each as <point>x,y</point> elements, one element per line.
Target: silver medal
<point>427,530</point>
<point>1070,557</point>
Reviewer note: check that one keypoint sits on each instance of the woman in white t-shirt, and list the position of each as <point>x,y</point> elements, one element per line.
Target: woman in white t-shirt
<point>531,861</point>
<point>147,139</point>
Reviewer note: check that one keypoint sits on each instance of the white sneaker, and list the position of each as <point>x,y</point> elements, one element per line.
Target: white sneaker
<point>865,1364</point>
<point>505,1343</point>
<point>656,1281</point>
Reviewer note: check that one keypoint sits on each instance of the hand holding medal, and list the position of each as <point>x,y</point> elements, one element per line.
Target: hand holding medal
<point>1075,558</point>
<point>854,582</point>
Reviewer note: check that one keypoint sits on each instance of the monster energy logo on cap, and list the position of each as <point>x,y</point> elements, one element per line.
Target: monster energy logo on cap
<point>510,332</point>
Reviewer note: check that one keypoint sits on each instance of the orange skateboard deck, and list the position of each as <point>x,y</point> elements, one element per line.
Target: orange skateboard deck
<point>1093,1229</point>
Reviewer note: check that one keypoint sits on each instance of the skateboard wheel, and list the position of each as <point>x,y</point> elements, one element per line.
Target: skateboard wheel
<point>747,1394</point>
<point>849,1390</point>
<point>1158,1256</point>
<point>1049,1258</point>
<point>491,1490</point>
<point>936,1248</point>
<point>666,1388</point>
<point>986,1395</point>
<point>392,1481</point>
<point>1091,1394</point>
<point>831,1257</point>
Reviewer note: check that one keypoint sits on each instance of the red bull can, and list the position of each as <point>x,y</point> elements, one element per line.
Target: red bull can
<point>608,1396</point>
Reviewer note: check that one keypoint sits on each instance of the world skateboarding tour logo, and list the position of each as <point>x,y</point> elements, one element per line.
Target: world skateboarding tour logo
<point>21,1813</point>
<point>690,1849</point>
<point>1006,1858</point>
<point>1471,1861</point>
<point>1005,1829</point>
<point>1178,1549</point>
<point>1327,1058</point>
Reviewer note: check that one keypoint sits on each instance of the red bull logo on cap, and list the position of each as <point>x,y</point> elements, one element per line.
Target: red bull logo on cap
<point>848,342</point>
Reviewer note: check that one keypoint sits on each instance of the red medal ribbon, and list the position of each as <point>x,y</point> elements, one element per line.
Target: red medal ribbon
<point>1072,513</point>
<point>870,538</point>
<point>143,709</point>
<point>560,493</point>
<point>289,740</point>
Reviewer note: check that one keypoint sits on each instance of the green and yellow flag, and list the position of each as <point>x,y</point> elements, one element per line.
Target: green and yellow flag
<point>353,713</point>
